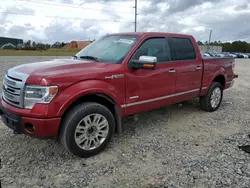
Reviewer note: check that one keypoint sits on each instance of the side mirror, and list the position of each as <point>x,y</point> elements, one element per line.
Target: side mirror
<point>144,62</point>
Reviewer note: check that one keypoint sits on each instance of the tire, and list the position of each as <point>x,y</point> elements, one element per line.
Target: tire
<point>82,114</point>
<point>205,101</point>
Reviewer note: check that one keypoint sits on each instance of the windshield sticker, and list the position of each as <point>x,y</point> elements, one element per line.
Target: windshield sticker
<point>126,41</point>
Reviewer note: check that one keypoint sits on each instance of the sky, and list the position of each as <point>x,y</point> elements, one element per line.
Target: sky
<point>67,20</point>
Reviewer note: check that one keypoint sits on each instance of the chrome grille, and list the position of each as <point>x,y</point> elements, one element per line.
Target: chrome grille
<point>13,85</point>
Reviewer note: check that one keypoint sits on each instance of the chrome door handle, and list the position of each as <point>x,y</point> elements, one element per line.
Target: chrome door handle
<point>171,71</point>
<point>198,67</point>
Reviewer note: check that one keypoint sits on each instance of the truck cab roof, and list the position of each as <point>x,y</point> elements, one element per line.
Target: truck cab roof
<point>146,34</point>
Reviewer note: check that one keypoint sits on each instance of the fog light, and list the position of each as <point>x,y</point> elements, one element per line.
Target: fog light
<point>29,127</point>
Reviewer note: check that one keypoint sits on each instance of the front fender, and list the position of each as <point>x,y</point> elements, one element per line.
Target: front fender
<point>80,89</point>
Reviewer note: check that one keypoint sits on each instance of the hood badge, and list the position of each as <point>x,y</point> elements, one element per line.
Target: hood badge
<point>114,76</point>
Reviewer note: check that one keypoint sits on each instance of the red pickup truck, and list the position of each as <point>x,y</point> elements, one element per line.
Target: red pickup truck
<point>81,100</point>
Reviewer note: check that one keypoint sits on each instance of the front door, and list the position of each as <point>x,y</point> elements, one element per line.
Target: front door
<point>148,89</point>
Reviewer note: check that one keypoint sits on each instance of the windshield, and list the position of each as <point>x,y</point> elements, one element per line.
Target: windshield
<point>112,48</point>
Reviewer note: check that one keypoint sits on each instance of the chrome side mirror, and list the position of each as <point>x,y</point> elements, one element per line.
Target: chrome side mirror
<point>144,62</point>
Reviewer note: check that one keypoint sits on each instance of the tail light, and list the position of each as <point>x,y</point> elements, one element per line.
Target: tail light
<point>233,67</point>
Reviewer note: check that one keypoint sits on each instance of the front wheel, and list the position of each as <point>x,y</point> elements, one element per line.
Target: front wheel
<point>87,129</point>
<point>212,100</point>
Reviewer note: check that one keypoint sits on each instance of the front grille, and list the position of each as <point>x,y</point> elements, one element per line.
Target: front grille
<point>13,90</point>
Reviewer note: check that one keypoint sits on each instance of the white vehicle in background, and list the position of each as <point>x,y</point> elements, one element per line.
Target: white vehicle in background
<point>219,54</point>
<point>227,54</point>
<point>205,54</point>
<point>233,55</point>
<point>244,55</point>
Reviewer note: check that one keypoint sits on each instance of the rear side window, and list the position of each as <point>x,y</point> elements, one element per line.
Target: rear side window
<point>181,49</point>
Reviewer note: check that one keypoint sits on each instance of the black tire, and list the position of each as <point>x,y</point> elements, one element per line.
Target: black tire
<point>205,101</point>
<point>70,122</point>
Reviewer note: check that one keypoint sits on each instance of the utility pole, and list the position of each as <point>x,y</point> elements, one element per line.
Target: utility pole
<point>135,7</point>
<point>209,40</point>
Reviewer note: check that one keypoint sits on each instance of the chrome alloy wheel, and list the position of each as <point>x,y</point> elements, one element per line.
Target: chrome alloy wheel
<point>91,131</point>
<point>215,97</point>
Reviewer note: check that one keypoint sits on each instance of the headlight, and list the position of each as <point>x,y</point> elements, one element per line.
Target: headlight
<point>39,94</point>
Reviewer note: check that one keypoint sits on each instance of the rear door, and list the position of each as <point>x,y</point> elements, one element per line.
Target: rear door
<point>148,89</point>
<point>188,68</point>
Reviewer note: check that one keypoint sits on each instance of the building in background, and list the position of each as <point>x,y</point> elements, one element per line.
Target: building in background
<point>210,48</point>
<point>10,43</point>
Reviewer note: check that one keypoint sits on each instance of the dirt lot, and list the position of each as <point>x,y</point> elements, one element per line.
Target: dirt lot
<point>176,146</point>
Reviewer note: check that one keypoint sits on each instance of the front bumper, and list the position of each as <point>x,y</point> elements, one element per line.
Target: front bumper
<point>22,125</point>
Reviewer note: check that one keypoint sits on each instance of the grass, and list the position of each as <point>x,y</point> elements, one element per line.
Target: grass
<point>50,52</point>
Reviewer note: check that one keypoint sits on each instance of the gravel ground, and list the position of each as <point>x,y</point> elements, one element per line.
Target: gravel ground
<point>175,146</point>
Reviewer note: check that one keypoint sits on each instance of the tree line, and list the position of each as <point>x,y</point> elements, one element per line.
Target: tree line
<point>29,45</point>
<point>236,46</point>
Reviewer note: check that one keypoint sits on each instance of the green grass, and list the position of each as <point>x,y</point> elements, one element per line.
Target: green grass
<point>50,52</point>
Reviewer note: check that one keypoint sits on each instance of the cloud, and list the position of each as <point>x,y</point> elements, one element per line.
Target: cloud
<point>15,10</point>
<point>90,19</point>
<point>173,6</point>
<point>242,7</point>
<point>58,31</point>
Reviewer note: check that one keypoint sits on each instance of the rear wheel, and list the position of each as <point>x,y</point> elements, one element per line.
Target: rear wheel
<point>212,100</point>
<point>87,129</point>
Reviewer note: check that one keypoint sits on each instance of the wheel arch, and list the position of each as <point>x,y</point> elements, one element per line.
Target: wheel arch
<point>220,79</point>
<point>102,99</point>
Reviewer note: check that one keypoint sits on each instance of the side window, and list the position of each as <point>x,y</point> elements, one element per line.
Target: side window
<point>181,49</point>
<point>157,47</point>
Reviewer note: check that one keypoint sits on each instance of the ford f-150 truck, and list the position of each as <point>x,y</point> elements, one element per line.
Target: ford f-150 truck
<point>82,100</point>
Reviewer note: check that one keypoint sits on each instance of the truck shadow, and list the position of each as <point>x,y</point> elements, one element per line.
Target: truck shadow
<point>160,115</point>
<point>154,120</point>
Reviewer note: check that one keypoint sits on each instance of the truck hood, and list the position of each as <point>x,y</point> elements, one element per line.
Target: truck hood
<point>57,69</point>
<point>58,66</point>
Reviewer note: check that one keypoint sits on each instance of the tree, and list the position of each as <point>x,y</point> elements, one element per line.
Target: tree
<point>57,45</point>
<point>34,44</point>
<point>63,44</point>
<point>27,44</point>
<point>200,43</point>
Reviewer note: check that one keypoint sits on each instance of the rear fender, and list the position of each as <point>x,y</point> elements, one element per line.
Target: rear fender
<point>222,72</point>
<point>206,87</point>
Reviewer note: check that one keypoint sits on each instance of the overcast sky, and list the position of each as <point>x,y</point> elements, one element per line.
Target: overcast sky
<point>66,20</point>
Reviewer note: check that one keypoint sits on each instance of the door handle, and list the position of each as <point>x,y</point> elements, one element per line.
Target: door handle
<point>171,70</point>
<point>198,67</point>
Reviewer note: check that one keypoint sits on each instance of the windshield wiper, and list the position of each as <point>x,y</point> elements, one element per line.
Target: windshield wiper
<point>89,57</point>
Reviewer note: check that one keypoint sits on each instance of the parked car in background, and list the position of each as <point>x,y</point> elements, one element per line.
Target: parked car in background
<point>216,54</point>
<point>219,54</point>
<point>212,54</point>
<point>248,55</point>
<point>204,54</point>
<point>239,55</point>
<point>227,54</point>
<point>82,100</point>
<point>244,55</point>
